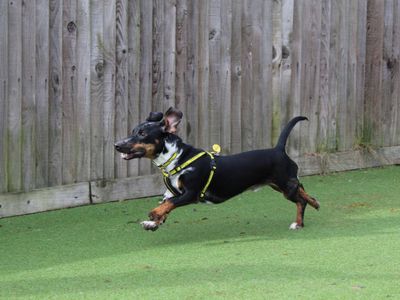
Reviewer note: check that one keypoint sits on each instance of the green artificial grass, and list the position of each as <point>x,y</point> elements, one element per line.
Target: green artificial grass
<point>241,249</point>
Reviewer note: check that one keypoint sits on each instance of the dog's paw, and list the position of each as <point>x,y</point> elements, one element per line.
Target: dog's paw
<point>295,226</point>
<point>149,225</point>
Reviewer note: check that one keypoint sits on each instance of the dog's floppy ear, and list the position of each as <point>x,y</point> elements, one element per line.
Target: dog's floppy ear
<point>172,118</point>
<point>155,116</point>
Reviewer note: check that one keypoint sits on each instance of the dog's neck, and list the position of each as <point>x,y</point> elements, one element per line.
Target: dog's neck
<point>170,151</point>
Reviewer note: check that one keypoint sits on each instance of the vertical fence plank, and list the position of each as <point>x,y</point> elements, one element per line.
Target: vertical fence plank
<point>146,44</point>
<point>169,53</point>
<point>28,96</point>
<point>158,72</point>
<point>121,83</point>
<point>133,73</point>
<point>260,63</point>
<point>247,76</point>
<point>342,62</point>
<point>265,84</point>
<point>83,90</point>
<point>373,79</point>
<point>203,136</point>
<point>55,94</point>
<point>3,96</point>
<point>295,80</point>
<point>351,92</point>
<point>236,77</point>
<point>42,93</point>
<point>109,46</point>
<point>286,60</point>
<point>226,74</point>
<point>360,84</point>
<point>277,22</point>
<point>96,91</point>
<point>214,91</point>
<point>192,74</point>
<point>396,72</point>
<point>14,95</point>
<point>69,96</point>
<point>333,76</point>
<point>388,106</point>
<point>324,76</point>
<point>182,36</point>
<point>311,28</point>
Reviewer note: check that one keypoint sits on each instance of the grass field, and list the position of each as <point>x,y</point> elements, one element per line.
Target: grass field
<point>241,249</point>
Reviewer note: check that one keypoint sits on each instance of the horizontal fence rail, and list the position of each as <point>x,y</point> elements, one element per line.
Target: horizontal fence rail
<point>77,75</point>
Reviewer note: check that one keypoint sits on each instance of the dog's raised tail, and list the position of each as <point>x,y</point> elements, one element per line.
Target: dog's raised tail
<point>286,131</point>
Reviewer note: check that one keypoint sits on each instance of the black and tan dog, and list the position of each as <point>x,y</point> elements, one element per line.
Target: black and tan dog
<point>192,175</point>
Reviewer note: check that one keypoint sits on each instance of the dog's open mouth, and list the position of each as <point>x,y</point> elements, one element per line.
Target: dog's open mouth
<point>131,155</point>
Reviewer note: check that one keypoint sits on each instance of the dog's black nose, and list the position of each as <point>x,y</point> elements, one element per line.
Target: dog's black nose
<point>117,146</point>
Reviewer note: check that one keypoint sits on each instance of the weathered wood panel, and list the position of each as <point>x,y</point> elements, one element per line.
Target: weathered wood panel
<point>127,188</point>
<point>373,91</point>
<point>97,62</point>
<point>55,93</point>
<point>14,126</point>
<point>69,103</point>
<point>121,84</point>
<point>42,93</point>
<point>28,104</point>
<point>83,100</point>
<point>133,74</point>
<point>109,56</point>
<point>77,75</point>
<point>12,204</point>
<point>3,96</point>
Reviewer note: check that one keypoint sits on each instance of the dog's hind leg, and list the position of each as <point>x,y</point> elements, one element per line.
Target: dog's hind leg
<point>294,191</point>
<point>310,200</point>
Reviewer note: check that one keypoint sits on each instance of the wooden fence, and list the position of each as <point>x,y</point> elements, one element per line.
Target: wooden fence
<point>76,75</point>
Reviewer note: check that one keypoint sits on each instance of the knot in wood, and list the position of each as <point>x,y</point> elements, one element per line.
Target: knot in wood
<point>285,52</point>
<point>212,34</point>
<point>390,63</point>
<point>99,69</point>
<point>71,27</point>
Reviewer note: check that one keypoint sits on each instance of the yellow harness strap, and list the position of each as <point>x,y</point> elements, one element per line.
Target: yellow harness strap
<point>183,166</point>
<point>210,177</point>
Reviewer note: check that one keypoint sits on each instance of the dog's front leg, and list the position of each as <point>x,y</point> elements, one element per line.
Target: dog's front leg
<point>159,214</point>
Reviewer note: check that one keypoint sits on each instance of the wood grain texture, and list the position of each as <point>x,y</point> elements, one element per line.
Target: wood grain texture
<point>169,67</point>
<point>83,100</point>
<point>182,60</point>
<point>134,26</point>
<point>3,96</point>
<point>28,104</point>
<point>69,92</point>
<point>109,55</point>
<point>42,93</point>
<point>146,44</point>
<point>121,83</point>
<point>373,83</point>
<point>97,62</point>
<point>55,94</point>
<point>14,126</point>
<point>13,204</point>
<point>203,133</point>
<point>127,188</point>
<point>192,74</point>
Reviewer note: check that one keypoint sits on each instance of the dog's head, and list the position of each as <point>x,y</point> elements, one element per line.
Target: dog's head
<point>147,139</point>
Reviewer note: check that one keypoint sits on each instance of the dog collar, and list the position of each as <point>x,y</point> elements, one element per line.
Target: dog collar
<point>168,162</point>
